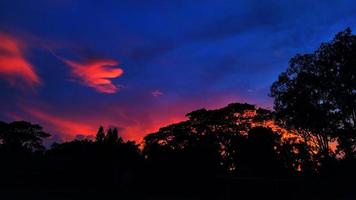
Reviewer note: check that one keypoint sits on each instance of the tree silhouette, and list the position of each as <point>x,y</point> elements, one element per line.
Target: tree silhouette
<point>96,163</point>
<point>115,135</point>
<point>223,133</point>
<point>112,136</point>
<point>100,135</point>
<point>317,94</point>
<point>22,135</point>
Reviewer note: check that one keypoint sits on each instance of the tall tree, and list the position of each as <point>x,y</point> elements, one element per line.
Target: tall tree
<point>112,136</point>
<point>100,135</point>
<point>317,93</point>
<point>115,135</point>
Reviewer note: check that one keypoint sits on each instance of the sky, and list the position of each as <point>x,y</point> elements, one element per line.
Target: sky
<point>72,66</point>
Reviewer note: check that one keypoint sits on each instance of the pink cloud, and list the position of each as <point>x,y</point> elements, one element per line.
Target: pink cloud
<point>14,68</point>
<point>66,127</point>
<point>134,122</point>
<point>97,74</point>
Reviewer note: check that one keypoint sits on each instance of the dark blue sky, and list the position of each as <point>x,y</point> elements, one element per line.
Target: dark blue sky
<point>167,57</point>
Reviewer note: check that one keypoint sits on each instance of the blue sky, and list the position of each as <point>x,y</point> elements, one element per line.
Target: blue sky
<point>176,56</point>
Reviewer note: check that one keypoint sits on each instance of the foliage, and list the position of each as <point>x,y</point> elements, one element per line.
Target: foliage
<point>22,135</point>
<point>317,93</point>
<point>225,134</point>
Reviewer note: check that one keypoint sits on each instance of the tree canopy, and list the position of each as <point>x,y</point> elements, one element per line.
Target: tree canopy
<point>225,134</point>
<point>22,135</point>
<point>317,93</point>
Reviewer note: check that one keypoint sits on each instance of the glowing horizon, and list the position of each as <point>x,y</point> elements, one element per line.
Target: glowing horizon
<point>72,67</point>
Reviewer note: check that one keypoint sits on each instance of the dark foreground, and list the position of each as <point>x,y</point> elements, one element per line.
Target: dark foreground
<point>219,189</point>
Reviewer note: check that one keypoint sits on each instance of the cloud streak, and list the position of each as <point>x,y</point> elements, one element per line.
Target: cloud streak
<point>66,127</point>
<point>14,67</point>
<point>97,73</point>
<point>157,93</point>
<point>133,122</point>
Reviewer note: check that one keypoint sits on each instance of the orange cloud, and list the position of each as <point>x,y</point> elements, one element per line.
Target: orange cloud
<point>13,65</point>
<point>97,74</point>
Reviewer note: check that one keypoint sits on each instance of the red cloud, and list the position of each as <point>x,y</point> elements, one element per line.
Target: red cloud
<point>67,128</point>
<point>13,65</point>
<point>67,124</point>
<point>134,122</point>
<point>97,74</point>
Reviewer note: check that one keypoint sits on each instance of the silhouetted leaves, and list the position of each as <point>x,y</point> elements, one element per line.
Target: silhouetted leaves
<point>21,135</point>
<point>100,135</point>
<point>317,93</point>
<point>221,135</point>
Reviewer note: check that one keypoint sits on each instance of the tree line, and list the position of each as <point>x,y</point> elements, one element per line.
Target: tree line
<point>303,148</point>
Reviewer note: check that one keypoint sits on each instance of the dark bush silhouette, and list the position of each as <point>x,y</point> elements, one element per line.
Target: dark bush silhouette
<point>114,162</point>
<point>258,155</point>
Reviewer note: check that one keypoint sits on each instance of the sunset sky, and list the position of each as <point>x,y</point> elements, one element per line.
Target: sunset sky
<point>72,66</point>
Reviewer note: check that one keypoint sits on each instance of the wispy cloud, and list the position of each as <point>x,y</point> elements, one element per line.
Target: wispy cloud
<point>134,122</point>
<point>97,73</point>
<point>157,93</point>
<point>67,128</point>
<point>69,124</point>
<point>14,67</point>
